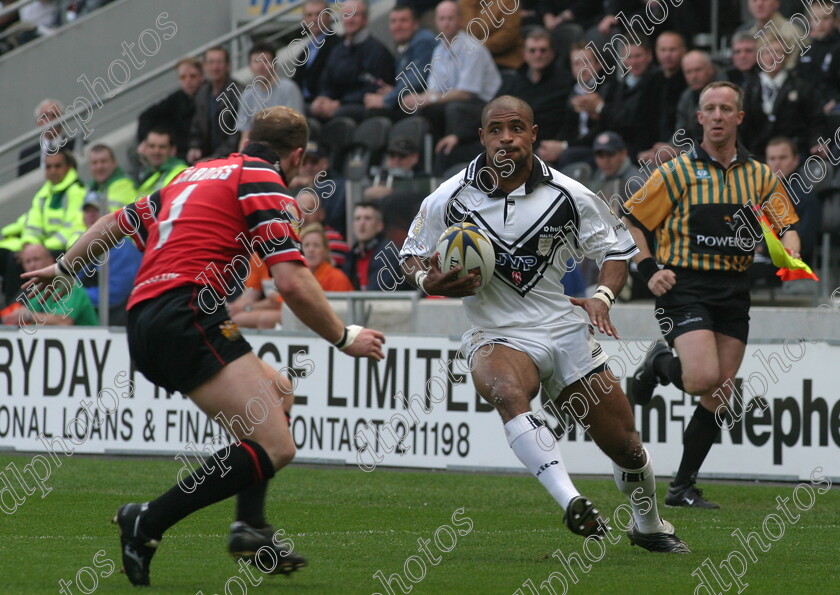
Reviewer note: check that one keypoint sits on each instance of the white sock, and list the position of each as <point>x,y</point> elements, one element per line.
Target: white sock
<point>643,502</point>
<point>540,453</point>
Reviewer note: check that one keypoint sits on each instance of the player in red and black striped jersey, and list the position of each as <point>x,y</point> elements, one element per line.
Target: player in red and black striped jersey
<point>194,233</point>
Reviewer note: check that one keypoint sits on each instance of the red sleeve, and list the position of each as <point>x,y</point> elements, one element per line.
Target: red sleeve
<point>135,219</point>
<point>272,215</point>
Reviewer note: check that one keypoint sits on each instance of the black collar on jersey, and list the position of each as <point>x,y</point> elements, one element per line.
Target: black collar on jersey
<point>742,155</point>
<point>478,174</point>
<point>261,151</point>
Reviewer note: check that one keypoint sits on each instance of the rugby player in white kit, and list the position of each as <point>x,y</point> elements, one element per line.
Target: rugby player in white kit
<point>526,332</point>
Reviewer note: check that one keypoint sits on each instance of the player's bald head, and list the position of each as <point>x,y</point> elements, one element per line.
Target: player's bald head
<point>508,103</point>
<point>281,128</point>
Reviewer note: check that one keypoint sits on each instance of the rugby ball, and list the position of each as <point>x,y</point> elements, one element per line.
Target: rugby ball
<point>466,245</point>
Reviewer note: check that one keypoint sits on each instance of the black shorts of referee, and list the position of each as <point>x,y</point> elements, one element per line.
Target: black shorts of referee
<point>705,300</point>
<point>177,345</point>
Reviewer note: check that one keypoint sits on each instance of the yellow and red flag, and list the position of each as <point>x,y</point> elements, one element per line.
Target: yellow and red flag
<point>790,268</point>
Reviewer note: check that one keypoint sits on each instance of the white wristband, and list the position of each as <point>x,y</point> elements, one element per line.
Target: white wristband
<point>419,279</point>
<point>606,290</point>
<point>350,334</point>
<point>603,298</point>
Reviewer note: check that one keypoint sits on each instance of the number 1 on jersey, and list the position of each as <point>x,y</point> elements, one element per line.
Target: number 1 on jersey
<point>165,226</point>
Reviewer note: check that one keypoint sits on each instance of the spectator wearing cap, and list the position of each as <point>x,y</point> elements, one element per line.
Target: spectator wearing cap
<point>175,112</point>
<point>401,164</point>
<point>268,88</point>
<point>415,45</point>
<point>110,184</point>
<point>615,178</point>
<point>315,172</point>
<point>123,263</point>
<point>52,138</point>
<point>158,152</point>
<point>541,82</point>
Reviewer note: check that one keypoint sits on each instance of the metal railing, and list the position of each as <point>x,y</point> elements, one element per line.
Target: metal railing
<point>31,136</point>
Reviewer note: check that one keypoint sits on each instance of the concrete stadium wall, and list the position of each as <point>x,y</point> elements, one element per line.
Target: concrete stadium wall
<point>445,317</point>
<point>95,47</point>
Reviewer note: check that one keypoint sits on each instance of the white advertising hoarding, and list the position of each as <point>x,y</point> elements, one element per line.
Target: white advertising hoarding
<point>74,391</point>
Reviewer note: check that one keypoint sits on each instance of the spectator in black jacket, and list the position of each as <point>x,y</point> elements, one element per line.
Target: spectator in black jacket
<point>820,65</point>
<point>782,104</point>
<point>213,129</point>
<point>359,65</point>
<point>744,70</point>
<point>53,137</point>
<point>176,111</point>
<point>317,19</point>
<point>541,82</point>
<point>582,111</point>
<point>629,112</point>
<point>667,84</point>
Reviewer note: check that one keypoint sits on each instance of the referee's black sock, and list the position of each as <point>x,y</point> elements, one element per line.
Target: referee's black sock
<point>250,505</point>
<point>697,440</point>
<point>668,366</point>
<point>228,472</point>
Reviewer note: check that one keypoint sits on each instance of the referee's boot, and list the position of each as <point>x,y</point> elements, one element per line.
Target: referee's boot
<point>645,378</point>
<point>258,547</point>
<point>137,548</point>
<point>688,495</point>
<point>582,518</point>
<point>664,541</point>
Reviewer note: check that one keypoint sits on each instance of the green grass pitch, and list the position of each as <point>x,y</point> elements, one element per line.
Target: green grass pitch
<point>351,524</point>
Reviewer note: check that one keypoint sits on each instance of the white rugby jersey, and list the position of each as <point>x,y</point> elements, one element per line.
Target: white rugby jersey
<point>535,230</point>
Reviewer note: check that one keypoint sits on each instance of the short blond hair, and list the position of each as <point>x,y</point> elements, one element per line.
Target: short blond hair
<point>739,92</point>
<point>317,228</point>
<point>281,128</point>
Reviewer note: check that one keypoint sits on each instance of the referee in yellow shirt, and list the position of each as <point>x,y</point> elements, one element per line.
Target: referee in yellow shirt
<point>700,206</point>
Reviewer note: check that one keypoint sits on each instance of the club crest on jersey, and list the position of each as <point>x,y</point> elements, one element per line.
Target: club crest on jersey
<point>517,277</point>
<point>230,330</point>
<point>702,174</point>
<point>544,244</point>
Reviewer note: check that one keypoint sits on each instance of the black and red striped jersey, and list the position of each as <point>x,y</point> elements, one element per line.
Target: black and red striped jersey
<point>207,222</point>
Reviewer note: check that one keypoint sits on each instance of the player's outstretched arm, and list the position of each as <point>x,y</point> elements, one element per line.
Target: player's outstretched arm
<point>611,280</point>
<point>425,274</point>
<point>103,235</point>
<point>303,294</point>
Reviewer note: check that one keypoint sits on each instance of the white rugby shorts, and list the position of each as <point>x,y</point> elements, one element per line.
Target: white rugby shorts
<point>563,353</point>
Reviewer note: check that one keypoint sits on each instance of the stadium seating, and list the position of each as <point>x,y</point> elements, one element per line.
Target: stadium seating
<point>416,128</point>
<point>367,148</point>
<point>337,136</point>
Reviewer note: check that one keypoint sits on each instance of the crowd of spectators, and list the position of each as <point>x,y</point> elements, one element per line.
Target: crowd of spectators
<point>607,113</point>
<point>40,18</point>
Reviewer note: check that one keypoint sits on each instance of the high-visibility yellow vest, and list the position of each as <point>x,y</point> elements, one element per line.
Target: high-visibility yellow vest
<point>152,180</point>
<point>119,190</point>
<point>55,218</point>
